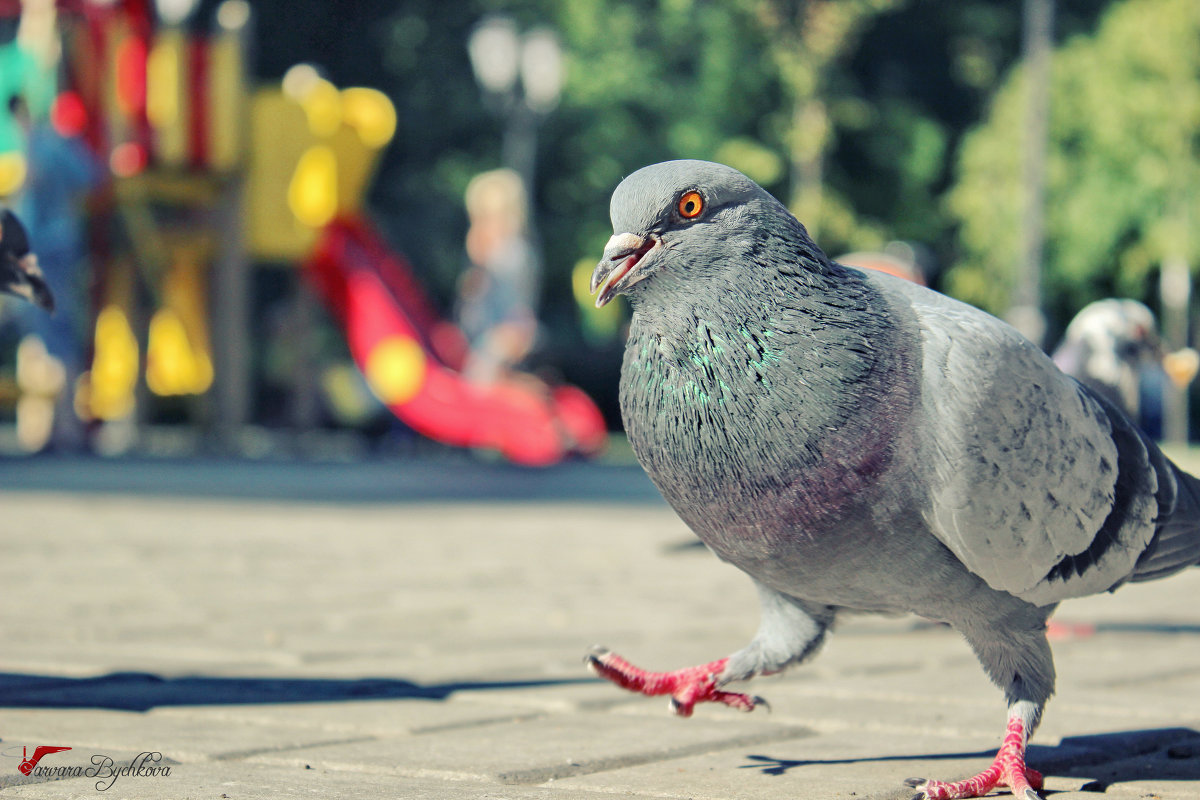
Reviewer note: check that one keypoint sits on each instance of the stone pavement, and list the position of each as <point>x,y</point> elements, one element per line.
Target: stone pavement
<point>280,647</point>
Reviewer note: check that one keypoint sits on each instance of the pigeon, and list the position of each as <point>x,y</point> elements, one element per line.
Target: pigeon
<point>857,443</point>
<point>1106,345</point>
<point>20,274</point>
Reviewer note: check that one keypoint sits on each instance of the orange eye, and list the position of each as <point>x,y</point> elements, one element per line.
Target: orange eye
<point>690,205</point>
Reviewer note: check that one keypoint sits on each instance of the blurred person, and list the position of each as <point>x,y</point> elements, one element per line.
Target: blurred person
<point>498,291</point>
<point>60,173</point>
<point>897,258</point>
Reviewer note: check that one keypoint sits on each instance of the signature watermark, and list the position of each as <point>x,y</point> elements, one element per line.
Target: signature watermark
<point>103,768</point>
<point>30,762</point>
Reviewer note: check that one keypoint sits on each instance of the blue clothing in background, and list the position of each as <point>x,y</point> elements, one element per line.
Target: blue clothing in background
<point>60,173</point>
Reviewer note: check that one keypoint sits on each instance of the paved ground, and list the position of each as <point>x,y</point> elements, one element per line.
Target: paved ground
<point>290,638</point>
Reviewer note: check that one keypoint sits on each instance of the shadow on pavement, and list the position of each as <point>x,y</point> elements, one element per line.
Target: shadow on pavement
<point>140,691</point>
<point>1107,758</point>
<point>452,478</point>
<point>769,765</point>
<point>1147,627</point>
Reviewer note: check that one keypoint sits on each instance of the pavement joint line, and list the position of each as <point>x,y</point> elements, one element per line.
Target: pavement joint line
<point>832,725</point>
<point>237,755</point>
<point>1116,711</point>
<point>616,705</point>
<point>1145,677</point>
<point>840,693</point>
<point>572,769</point>
<point>420,773</point>
<point>476,723</point>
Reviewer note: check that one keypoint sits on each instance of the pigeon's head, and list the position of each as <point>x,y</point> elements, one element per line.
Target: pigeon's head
<point>19,271</point>
<point>678,216</point>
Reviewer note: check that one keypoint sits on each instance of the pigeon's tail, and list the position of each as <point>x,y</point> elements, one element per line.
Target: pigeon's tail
<point>1176,545</point>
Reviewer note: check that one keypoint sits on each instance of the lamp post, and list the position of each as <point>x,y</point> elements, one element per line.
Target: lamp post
<point>1026,313</point>
<point>175,12</point>
<point>521,76</point>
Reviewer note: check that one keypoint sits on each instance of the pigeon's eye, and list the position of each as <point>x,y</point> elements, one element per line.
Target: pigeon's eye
<point>690,205</point>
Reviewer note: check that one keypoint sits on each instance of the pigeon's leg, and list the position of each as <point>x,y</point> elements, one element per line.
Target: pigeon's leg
<point>1021,653</point>
<point>791,630</point>
<point>1008,769</point>
<point>686,686</point>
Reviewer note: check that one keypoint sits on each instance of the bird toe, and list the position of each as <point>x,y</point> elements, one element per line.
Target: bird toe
<point>679,708</point>
<point>594,659</point>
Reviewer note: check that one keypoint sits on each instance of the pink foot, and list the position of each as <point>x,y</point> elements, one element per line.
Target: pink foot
<point>686,686</point>
<point>1007,770</point>
<point>1056,631</point>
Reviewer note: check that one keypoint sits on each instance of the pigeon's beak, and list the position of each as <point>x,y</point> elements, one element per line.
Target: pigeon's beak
<point>26,280</point>
<point>617,270</point>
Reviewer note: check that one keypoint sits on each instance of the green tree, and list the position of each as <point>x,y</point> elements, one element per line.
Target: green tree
<point>651,80</point>
<point>809,40</point>
<point>865,97</point>
<point>1122,175</point>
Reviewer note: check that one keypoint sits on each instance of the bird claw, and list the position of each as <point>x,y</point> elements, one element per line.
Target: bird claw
<point>921,784</point>
<point>918,784</point>
<point>706,692</point>
<point>1007,770</point>
<point>593,658</point>
<point>936,790</point>
<point>687,687</point>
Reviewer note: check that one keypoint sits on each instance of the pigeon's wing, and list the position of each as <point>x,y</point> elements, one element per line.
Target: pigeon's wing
<point>1038,486</point>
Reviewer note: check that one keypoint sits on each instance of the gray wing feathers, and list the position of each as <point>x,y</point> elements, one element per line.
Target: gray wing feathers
<point>1143,494</point>
<point>1177,543</point>
<point>1027,466</point>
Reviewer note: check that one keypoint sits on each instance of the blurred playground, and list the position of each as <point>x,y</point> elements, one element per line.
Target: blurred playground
<point>168,190</point>
<point>347,229</point>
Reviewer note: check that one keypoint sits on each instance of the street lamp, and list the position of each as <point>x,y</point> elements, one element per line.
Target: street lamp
<point>1026,313</point>
<point>521,76</point>
<point>175,12</point>
<point>541,69</point>
<point>495,51</point>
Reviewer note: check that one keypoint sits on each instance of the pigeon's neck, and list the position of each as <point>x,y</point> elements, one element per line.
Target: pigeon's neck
<point>750,393</point>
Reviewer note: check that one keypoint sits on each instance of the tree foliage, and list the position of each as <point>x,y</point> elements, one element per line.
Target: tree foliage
<point>895,84</point>
<point>808,41</point>
<point>1122,188</point>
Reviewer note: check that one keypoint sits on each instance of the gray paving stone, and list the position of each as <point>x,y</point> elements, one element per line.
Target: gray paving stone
<point>542,749</point>
<point>182,737</point>
<point>352,717</point>
<point>434,650</point>
<point>865,764</point>
<point>242,781</point>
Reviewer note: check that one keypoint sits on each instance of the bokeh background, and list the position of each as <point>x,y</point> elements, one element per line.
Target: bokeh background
<point>254,213</point>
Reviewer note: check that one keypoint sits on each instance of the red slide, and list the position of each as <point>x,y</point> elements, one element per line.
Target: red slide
<point>409,356</point>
